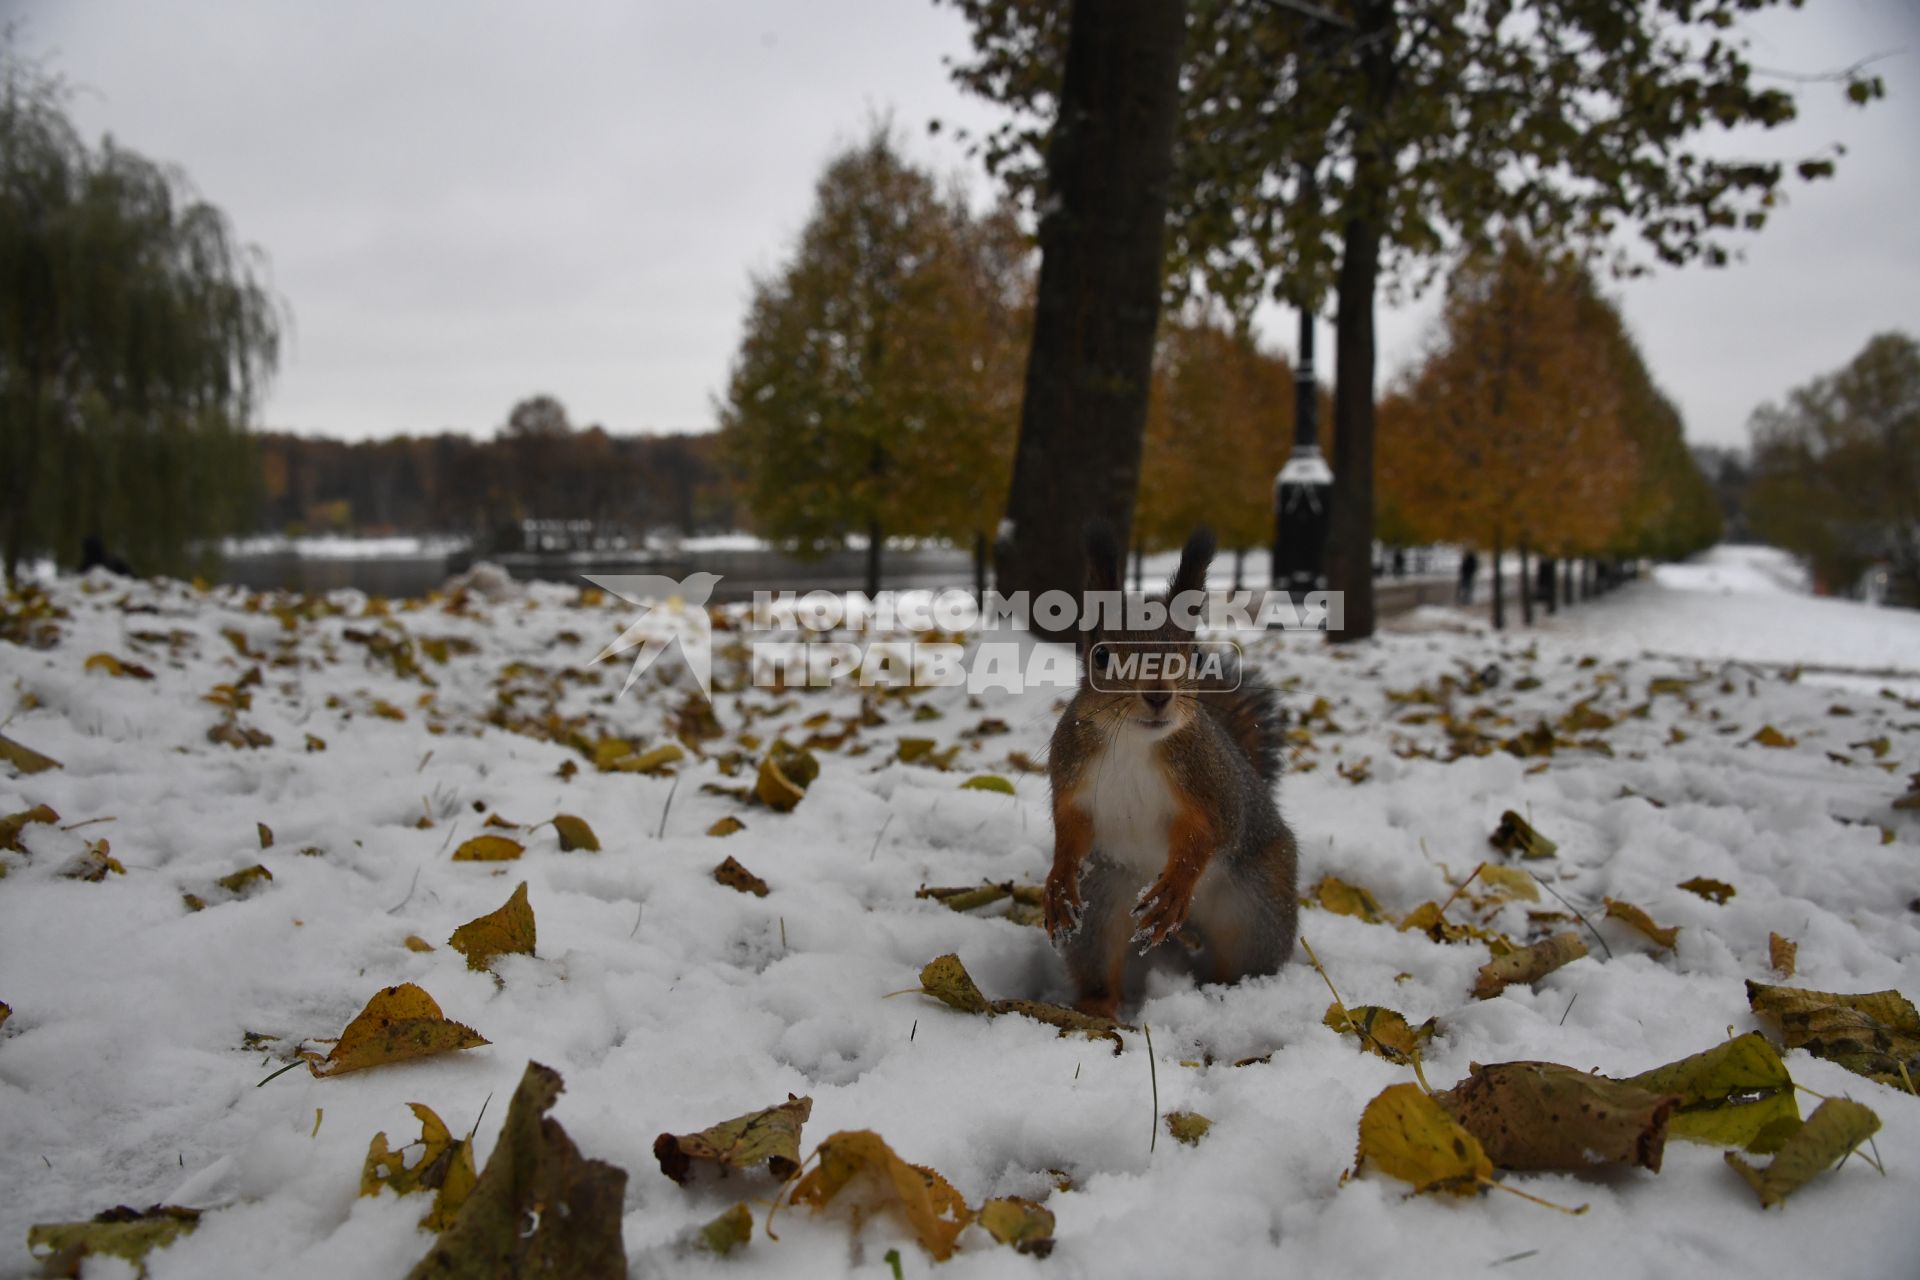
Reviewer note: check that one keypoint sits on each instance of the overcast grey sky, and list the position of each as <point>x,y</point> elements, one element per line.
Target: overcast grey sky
<point>467,203</point>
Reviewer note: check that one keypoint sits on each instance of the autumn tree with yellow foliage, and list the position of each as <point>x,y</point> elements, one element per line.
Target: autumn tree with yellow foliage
<point>1513,433</point>
<point>1219,425</point>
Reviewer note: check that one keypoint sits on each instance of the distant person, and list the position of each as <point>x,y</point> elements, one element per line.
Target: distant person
<point>93,555</point>
<point>1469,567</point>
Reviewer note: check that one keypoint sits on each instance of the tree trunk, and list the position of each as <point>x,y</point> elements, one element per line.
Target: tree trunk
<point>1526,589</point>
<point>980,567</point>
<point>1350,543</point>
<point>1102,246</point>
<point>1550,571</point>
<point>874,543</point>
<point>1569,572</point>
<point>1499,588</point>
<point>1139,567</point>
<point>1239,566</point>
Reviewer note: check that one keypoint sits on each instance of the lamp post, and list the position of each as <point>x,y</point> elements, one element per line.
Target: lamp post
<point>1302,492</point>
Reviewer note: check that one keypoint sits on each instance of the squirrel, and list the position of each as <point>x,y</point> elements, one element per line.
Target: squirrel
<point>1163,806</point>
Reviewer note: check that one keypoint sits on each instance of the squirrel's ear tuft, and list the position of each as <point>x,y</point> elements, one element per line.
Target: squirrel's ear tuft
<point>1103,557</point>
<point>1194,559</point>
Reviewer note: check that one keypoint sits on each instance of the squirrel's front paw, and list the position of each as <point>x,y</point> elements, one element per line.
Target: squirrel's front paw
<point>1162,909</point>
<point>1063,903</point>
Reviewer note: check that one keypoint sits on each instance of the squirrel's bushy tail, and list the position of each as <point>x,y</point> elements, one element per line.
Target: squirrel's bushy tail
<point>1250,714</point>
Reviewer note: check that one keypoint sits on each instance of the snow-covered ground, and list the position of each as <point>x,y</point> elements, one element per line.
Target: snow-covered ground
<point>131,1068</point>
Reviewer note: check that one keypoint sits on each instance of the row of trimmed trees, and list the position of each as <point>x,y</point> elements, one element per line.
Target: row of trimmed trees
<point>1534,426</point>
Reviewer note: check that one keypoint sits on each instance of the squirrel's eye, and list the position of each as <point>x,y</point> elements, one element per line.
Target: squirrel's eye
<point>1100,657</point>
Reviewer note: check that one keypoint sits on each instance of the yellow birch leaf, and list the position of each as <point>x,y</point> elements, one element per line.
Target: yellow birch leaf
<point>928,1201</point>
<point>1835,1128</point>
<point>445,1167</point>
<point>1768,736</point>
<point>575,834</point>
<point>1025,1225</point>
<point>1187,1127</point>
<point>1637,919</point>
<point>1409,1136</point>
<point>129,1234</point>
<point>25,758</point>
<point>507,931</point>
<point>727,1232</point>
<point>118,668</point>
<point>1336,895</point>
<point>488,849</point>
<point>1381,1031</point>
<point>399,1023</point>
<point>726,827</point>
<point>266,835</point>
<point>785,774</point>
<point>1782,954</point>
<point>12,825</point>
<point>770,1136</point>
<point>1528,964</point>
<point>654,761</point>
<point>245,878</point>
<point>414,942</point>
<point>1736,1094</point>
<point>1516,835</point>
<point>1509,882</point>
<point>988,782</point>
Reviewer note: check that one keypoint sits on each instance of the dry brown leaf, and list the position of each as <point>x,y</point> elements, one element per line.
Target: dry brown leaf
<point>507,931</point>
<point>947,980</point>
<point>399,1023</point>
<point>1782,955</point>
<point>1529,964</point>
<point>731,874</point>
<point>770,1137</point>
<point>1714,891</point>
<point>1874,1034</point>
<point>539,1208</point>
<point>1543,1116</point>
<point>931,1206</point>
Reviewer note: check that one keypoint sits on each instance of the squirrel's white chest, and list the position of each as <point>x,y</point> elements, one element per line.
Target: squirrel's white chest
<point>1131,804</point>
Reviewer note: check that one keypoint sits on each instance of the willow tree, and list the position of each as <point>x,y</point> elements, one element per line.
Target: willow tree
<point>875,390</point>
<point>1342,146</point>
<point>135,337</point>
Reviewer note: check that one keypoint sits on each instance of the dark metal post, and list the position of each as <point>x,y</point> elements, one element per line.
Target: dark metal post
<point>1302,492</point>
